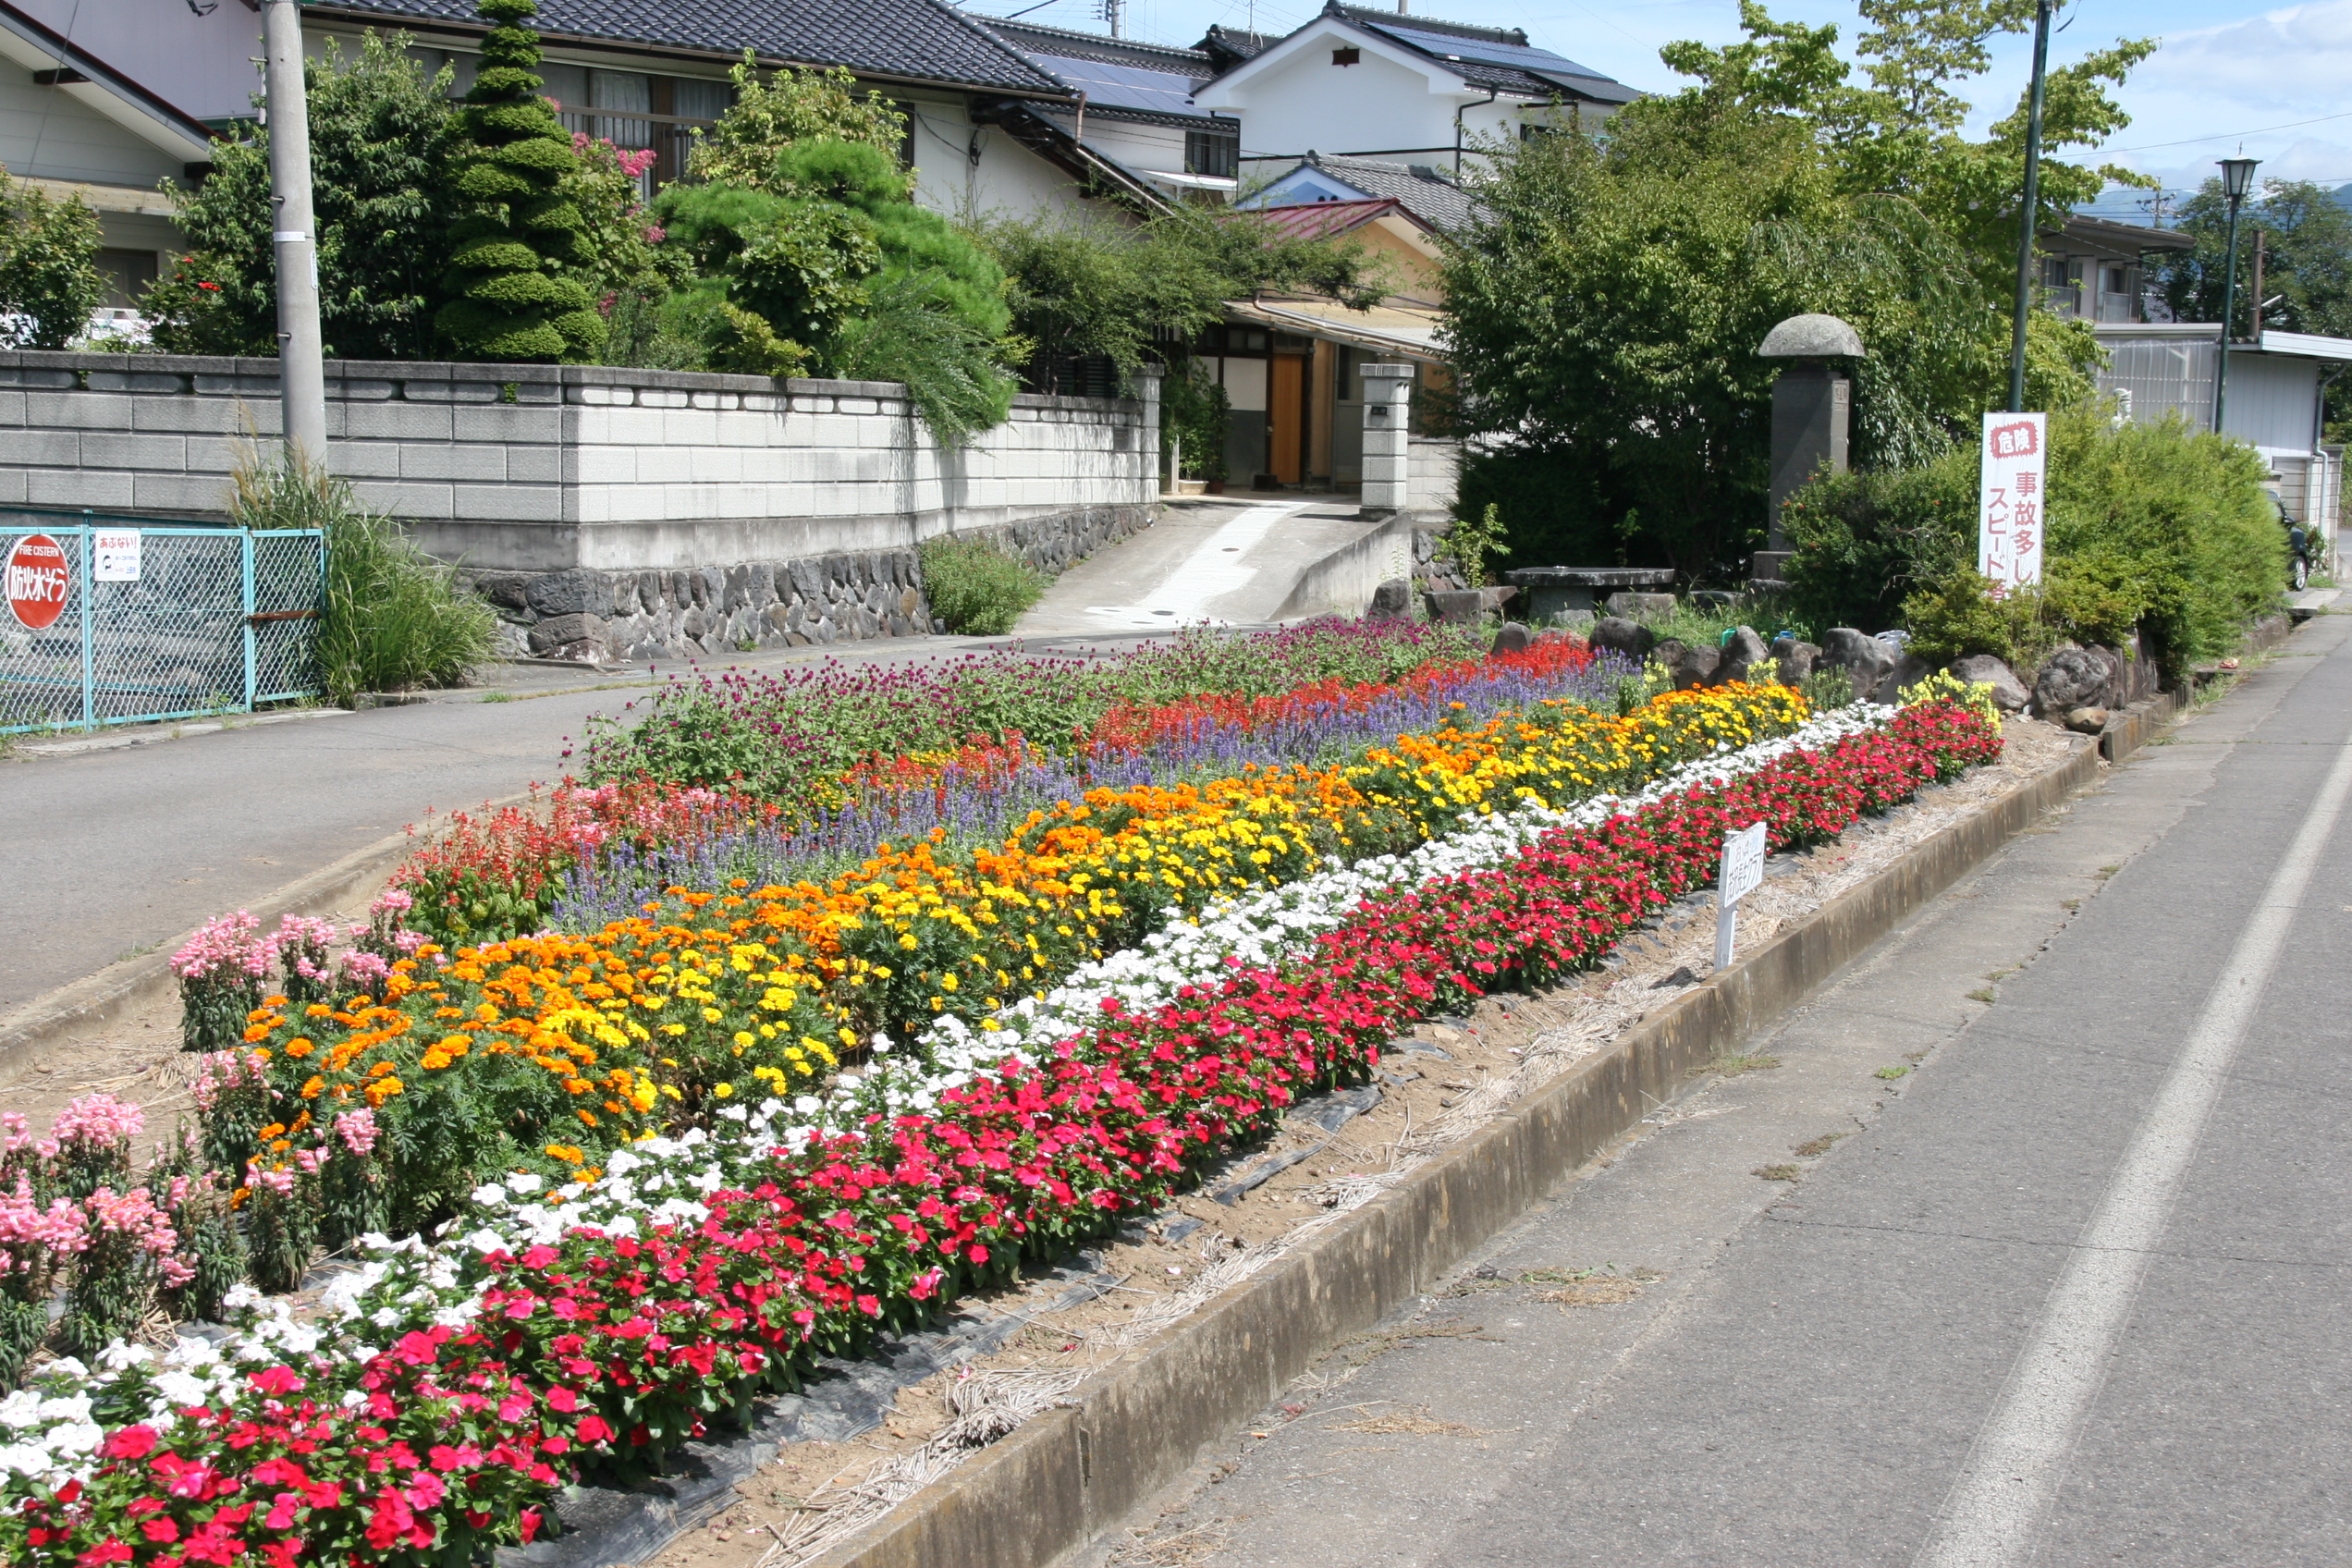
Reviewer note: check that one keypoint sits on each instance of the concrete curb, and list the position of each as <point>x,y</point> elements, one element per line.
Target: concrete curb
<point>2140,723</point>
<point>124,988</point>
<point>1069,1476</point>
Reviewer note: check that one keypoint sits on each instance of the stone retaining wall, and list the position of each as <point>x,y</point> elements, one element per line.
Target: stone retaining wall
<point>582,613</point>
<point>706,511</point>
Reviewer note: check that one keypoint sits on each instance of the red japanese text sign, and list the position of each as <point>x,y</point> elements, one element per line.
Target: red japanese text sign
<point>2009,507</point>
<point>38,581</point>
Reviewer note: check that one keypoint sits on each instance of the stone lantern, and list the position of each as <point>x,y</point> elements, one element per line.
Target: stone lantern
<point>1812,408</point>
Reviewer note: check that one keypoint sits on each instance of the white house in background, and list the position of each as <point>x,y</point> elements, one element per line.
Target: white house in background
<point>2274,399</point>
<point>72,123</point>
<point>1134,107</point>
<point>1390,85</point>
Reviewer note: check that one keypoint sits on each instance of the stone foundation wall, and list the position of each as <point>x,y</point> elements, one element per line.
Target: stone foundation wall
<point>586,614</point>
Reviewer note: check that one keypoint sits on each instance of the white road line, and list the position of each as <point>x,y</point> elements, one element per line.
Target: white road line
<point>1995,1509</point>
<point>1215,567</point>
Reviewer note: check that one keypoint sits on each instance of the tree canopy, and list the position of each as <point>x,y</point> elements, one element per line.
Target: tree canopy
<point>1606,309</point>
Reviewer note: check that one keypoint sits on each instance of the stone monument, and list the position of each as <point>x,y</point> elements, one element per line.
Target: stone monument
<point>1812,406</point>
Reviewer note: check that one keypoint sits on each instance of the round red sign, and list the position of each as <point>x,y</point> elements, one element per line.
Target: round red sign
<point>38,579</point>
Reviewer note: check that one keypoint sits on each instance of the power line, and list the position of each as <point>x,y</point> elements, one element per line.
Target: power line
<point>2226,135</point>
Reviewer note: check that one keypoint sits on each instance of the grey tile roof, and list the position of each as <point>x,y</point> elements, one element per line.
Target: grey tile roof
<point>1146,82</point>
<point>916,39</point>
<point>1425,190</point>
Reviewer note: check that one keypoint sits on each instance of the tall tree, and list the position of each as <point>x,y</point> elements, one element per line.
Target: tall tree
<point>49,282</point>
<point>518,240</point>
<point>382,139</point>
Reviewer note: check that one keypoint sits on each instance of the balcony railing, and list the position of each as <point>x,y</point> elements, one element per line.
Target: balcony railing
<point>671,137</point>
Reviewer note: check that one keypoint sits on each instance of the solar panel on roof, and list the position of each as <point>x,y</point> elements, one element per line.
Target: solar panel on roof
<point>1479,51</point>
<point>1123,87</point>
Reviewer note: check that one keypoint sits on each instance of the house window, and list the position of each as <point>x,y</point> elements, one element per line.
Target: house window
<point>1212,152</point>
<point>1346,57</point>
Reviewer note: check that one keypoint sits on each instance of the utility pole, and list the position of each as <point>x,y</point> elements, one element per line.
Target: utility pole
<point>302,369</point>
<point>2026,224</point>
<point>2238,178</point>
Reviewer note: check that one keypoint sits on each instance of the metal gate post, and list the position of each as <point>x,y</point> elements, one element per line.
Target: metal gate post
<point>246,540</point>
<point>88,624</point>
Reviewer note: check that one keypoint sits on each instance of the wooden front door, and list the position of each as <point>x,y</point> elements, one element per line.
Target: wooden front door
<point>1285,422</point>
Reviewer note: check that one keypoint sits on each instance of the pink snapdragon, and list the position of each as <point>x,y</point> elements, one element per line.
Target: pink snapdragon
<point>358,1129</point>
<point>224,945</point>
<point>99,1120</point>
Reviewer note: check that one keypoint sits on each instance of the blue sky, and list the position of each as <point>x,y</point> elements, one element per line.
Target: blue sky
<point>2227,73</point>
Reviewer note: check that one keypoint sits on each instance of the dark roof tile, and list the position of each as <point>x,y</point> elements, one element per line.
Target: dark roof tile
<point>920,40</point>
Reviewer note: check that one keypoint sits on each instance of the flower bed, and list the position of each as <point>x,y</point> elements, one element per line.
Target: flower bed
<point>541,1054</point>
<point>450,1390</point>
<point>779,738</point>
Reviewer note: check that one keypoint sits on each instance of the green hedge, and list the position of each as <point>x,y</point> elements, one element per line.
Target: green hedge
<point>2149,524</point>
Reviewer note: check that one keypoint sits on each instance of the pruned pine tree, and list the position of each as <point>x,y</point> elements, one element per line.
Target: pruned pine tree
<point>517,234</point>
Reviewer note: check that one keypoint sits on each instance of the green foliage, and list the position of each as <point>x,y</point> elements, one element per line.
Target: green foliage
<point>1827,690</point>
<point>1470,540</point>
<point>519,238</point>
<point>48,266</point>
<point>383,136</point>
<point>767,118</point>
<point>830,269</point>
<point>1623,285</point>
<point>396,619</point>
<point>977,587</point>
<point>1089,285</point>
<point>2153,525</point>
<point>1195,414</point>
<point>1607,315</point>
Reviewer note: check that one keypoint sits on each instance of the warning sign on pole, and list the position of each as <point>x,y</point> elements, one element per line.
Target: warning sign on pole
<point>1740,871</point>
<point>39,579</point>
<point>2009,510</point>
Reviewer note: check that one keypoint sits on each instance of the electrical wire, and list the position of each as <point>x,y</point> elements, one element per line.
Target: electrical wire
<point>2227,135</point>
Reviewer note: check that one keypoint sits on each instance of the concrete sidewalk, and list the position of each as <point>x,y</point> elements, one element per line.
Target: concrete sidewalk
<point>1841,1263</point>
<point>1227,561</point>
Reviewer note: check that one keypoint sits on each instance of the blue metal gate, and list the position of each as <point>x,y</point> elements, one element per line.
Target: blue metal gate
<point>152,619</point>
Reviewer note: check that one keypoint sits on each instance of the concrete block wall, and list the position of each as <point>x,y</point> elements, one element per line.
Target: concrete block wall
<point>525,471</point>
<point>1433,474</point>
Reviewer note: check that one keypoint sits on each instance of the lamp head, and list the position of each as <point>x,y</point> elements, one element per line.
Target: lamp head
<point>2237,177</point>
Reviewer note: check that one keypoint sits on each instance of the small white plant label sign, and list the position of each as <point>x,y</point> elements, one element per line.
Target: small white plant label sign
<point>1739,874</point>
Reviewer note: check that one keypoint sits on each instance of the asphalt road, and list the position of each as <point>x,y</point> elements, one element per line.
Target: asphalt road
<point>2071,1289</point>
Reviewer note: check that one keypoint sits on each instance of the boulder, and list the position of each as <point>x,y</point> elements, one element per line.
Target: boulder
<point>1742,651</point>
<point>1457,606</point>
<point>1691,668</point>
<point>2009,693</point>
<point>1796,658</point>
<point>1615,634</point>
<point>2072,678</point>
<point>1863,658</point>
<point>1512,639</point>
<point>570,637</point>
<point>1908,671</point>
<point>1392,600</point>
<point>2087,722</point>
<point>574,591</point>
<point>504,589</point>
<point>1627,603</point>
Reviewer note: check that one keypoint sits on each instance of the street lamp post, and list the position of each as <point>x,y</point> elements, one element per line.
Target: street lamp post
<point>2238,178</point>
<point>2027,219</point>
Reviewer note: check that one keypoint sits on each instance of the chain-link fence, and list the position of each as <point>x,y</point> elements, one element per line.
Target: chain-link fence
<point>115,621</point>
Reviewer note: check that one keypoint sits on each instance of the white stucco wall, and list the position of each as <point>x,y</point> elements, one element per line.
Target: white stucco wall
<point>52,135</point>
<point>199,65</point>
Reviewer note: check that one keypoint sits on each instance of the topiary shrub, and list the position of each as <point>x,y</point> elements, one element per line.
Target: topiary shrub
<point>976,586</point>
<point>517,232</point>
